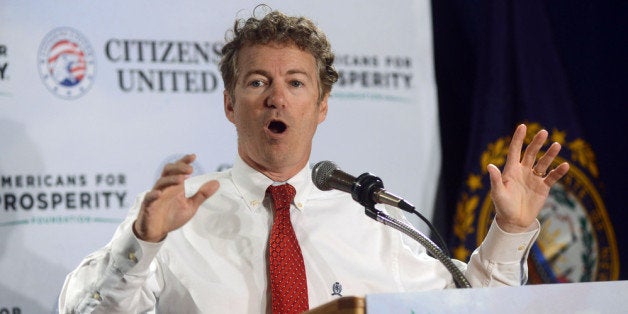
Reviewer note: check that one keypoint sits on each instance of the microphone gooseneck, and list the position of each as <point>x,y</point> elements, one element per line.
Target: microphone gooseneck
<point>368,190</point>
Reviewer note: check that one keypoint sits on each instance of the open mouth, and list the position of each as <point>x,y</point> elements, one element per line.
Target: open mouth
<point>277,127</point>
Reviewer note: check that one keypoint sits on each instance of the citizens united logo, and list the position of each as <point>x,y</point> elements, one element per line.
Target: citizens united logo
<point>66,63</point>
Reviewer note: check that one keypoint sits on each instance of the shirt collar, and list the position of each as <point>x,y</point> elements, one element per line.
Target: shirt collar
<point>252,184</point>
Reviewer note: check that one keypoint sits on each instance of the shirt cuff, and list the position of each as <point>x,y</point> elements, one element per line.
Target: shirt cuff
<point>502,247</point>
<point>132,256</point>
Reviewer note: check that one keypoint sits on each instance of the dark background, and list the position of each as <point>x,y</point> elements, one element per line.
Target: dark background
<point>591,39</point>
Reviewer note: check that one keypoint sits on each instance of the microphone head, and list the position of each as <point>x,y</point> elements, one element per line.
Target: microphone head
<point>321,173</point>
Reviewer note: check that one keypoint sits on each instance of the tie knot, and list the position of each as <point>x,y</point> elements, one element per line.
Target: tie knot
<point>282,195</point>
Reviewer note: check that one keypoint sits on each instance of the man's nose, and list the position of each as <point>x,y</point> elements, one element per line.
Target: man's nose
<point>277,96</point>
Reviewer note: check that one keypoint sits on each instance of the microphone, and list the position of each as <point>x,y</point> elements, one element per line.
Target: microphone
<point>366,189</point>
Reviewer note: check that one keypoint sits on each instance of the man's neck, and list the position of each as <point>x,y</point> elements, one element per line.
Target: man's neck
<point>279,173</point>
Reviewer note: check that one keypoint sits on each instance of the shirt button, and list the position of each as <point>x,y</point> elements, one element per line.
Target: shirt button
<point>299,205</point>
<point>254,203</point>
<point>96,296</point>
<point>521,247</point>
<point>132,257</point>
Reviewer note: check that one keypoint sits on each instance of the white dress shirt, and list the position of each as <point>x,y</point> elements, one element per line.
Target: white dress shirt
<point>217,262</point>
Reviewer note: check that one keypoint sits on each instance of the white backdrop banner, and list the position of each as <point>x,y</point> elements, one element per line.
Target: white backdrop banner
<point>96,96</point>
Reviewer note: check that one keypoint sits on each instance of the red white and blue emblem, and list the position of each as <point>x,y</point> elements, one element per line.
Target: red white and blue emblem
<point>66,63</point>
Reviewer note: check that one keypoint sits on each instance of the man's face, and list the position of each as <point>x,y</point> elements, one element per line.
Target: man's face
<point>275,108</point>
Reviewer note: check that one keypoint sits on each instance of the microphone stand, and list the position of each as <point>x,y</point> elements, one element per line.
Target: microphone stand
<point>362,190</point>
<point>459,278</point>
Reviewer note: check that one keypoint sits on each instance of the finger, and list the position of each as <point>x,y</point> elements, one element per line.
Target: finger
<point>170,180</point>
<point>496,178</point>
<point>182,166</point>
<point>514,150</point>
<point>546,160</point>
<point>150,197</point>
<point>556,174</point>
<point>188,158</point>
<point>533,149</point>
<point>204,192</point>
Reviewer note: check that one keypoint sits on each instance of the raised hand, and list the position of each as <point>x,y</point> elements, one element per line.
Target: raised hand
<point>165,208</point>
<point>521,190</point>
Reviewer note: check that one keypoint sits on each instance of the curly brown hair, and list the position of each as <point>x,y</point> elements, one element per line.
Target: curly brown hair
<point>276,27</point>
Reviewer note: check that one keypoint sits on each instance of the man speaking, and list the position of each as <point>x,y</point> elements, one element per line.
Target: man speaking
<point>260,237</point>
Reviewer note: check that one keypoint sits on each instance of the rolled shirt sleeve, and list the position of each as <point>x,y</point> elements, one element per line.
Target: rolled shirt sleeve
<point>501,259</point>
<point>122,275</point>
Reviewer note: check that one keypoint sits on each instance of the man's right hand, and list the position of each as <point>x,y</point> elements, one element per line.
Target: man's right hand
<point>165,208</point>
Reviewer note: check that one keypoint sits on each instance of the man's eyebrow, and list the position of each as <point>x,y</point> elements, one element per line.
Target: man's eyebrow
<point>266,73</point>
<point>298,71</point>
<point>260,72</point>
<point>302,72</point>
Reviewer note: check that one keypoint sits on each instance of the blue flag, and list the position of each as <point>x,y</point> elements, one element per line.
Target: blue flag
<point>520,79</point>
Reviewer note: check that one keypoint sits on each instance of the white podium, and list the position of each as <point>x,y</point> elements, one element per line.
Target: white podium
<point>591,297</point>
<point>586,298</point>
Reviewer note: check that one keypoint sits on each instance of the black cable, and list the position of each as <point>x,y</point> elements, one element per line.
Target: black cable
<point>441,242</point>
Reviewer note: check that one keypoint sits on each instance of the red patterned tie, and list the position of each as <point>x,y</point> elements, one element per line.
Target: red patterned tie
<point>288,285</point>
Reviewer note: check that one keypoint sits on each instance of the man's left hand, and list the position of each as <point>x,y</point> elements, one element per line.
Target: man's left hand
<point>519,193</point>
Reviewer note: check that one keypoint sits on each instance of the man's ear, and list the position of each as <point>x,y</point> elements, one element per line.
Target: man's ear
<point>228,104</point>
<point>322,109</point>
